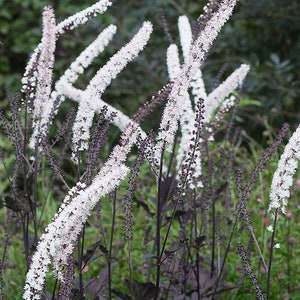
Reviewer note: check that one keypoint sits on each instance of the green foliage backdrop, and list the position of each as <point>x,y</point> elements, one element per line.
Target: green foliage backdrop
<point>264,34</point>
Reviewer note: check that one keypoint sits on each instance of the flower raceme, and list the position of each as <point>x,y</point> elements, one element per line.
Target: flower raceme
<point>283,176</point>
<point>39,67</point>
<point>220,96</point>
<point>57,243</point>
<point>182,81</point>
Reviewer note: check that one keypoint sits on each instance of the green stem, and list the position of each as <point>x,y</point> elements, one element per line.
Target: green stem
<point>111,245</point>
<point>271,255</point>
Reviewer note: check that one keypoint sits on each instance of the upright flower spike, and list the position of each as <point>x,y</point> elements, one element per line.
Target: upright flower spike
<point>32,78</point>
<point>283,176</point>
<point>179,108</point>
<point>64,84</point>
<point>186,40</point>
<point>70,23</point>
<point>173,62</point>
<point>90,99</point>
<point>45,65</point>
<point>211,30</point>
<point>187,114</point>
<point>199,48</point>
<point>185,35</point>
<point>118,62</point>
<point>101,81</point>
<point>85,58</point>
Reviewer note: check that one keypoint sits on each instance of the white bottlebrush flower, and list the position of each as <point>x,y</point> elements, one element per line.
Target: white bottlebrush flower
<point>283,176</point>
<point>179,106</point>
<point>64,86</point>
<point>101,81</point>
<point>173,62</point>
<point>43,75</point>
<point>46,62</point>
<point>199,48</point>
<point>204,41</point>
<point>86,57</point>
<point>219,94</point>
<point>57,243</point>
<point>186,37</point>
<point>90,99</point>
<point>83,16</point>
<point>43,108</point>
<point>118,61</point>
<point>188,115</point>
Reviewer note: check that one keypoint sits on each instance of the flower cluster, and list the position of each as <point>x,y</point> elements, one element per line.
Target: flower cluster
<point>57,243</point>
<point>88,102</point>
<point>83,16</point>
<point>219,94</point>
<point>37,79</point>
<point>90,99</point>
<point>46,62</point>
<point>180,109</point>
<point>283,176</point>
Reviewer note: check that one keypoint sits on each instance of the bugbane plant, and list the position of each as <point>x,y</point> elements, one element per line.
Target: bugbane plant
<point>57,243</point>
<point>188,109</point>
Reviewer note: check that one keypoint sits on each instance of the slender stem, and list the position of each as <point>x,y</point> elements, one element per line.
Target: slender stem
<point>257,246</point>
<point>150,265</point>
<point>80,245</point>
<point>25,236</point>
<point>197,248</point>
<point>289,256</point>
<point>130,269</point>
<point>226,253</point>
<point>271,255</point>
<point>212,263</point>
<point>111,245</point>
<point>54,289</point>
<point>158,225</point>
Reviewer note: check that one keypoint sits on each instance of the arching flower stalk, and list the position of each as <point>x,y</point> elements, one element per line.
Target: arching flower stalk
<point>57,242</point>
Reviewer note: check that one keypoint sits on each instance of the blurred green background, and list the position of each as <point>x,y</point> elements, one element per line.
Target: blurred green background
<point>264,34</point>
